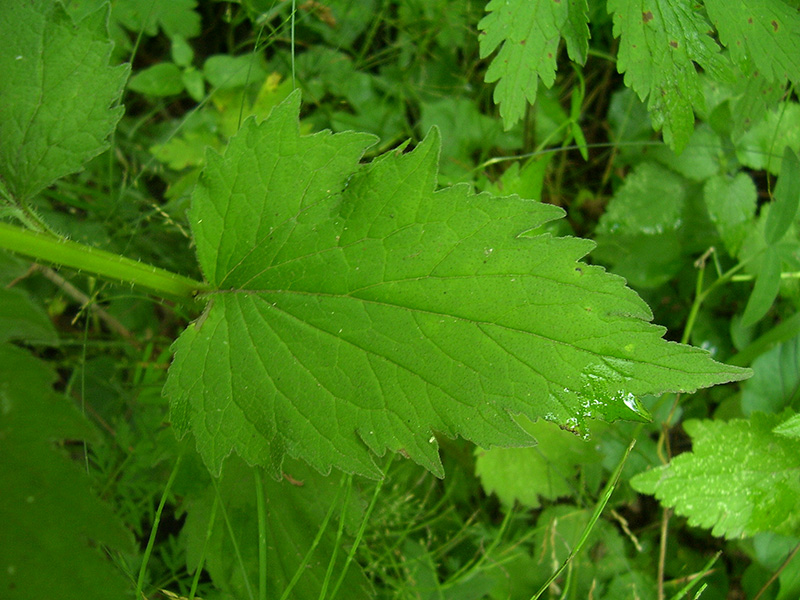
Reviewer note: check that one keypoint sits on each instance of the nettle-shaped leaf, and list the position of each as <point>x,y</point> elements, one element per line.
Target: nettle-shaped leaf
<point>357,309</point>
<point>660,43</point>
<point>528,33</point>
<point>740,478</point>
<point>57,93</point>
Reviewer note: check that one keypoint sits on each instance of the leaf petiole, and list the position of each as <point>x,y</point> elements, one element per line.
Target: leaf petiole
<point>46,247</point>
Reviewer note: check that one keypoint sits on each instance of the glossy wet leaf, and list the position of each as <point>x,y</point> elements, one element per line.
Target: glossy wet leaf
<point>739,479</point>
<point>57,93</point>
<point>528,33</point>
<point>359,310</point>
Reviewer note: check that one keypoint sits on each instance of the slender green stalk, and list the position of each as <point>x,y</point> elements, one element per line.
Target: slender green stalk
<point>361,529</point>
<point>307,558</point>
<point>209,530</point>
<point>262,535</point>
<point>156,520</point>
<point>42,246</point>
<point>339,535</point>
<point>695,579</point>
<point>234,543</point>
<point>598,510</point>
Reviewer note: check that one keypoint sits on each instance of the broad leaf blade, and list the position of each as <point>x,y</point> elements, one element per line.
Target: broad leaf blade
<point>787,198</point>
<point>359,310</point>
<point>528,33</point>
<point>764,34</point>
<point>739,479</point>
<point>660,42</point>
<point>49,125</point>
<point>51,524</point>
<point>765,290</point>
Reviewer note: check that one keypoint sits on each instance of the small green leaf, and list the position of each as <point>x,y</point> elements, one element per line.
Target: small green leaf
<point>765,290</point>
<point>789,428</point>
<point>787,198</point>
<point>731,204</point>
<point>740,478</point>
<point>357,309</point>
<point>52,524</point>
<point>776,379</point>
<point>545,471</point>
<point>22,319</point>
<point>182,52</point>
<point>763,146</point>
<point>163,79</point>
<point>528,33</point>
<point>176,17</point>
<point>660,42</point>
<point>49,123</point>
<point>228,72</point>
<point>649,202</point>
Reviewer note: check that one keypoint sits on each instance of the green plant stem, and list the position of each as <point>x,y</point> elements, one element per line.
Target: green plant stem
<point>209,530</point>
<point>339,535</point>
<point>262,535</point>
<point>315,542</point>
<point>360,535</point>
<point>42,246</point>
<point>694,579</point>
<point>234,542</point>
<point>598,510</point>
<point>156,520</point>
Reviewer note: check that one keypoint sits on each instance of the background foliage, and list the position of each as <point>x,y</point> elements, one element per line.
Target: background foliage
<point>157,146</point>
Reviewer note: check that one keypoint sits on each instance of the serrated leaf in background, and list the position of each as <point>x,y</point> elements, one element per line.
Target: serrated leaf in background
<point>358,311</point>
<point>731,204</point>
<point>49,124</point>
<point>22,319</point>
<point>296,507</point>
<point>762,36</point>
<point>176,17</point>
<point>163,79</point>
<point>762,147</point>
<point>545,471</point>
<point>661,41</point>
<point>650,201</point>
<point>765,290</point>
<point>528,33</point>
<point>786,199</point>
<point>703,156</point>
<point>776,380</point>
<point>739,479</point>
<point>789,428</point>
<point>51,523</point>
<point>638,233</point>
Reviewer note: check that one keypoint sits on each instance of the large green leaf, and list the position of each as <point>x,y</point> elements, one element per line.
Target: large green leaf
<point>56,93</point>
<point>528,33</point>
<point>762,35</point>
<point>739,479</point>
<point>51,524</point>
<point>357,309</point>
<point>660,42</point>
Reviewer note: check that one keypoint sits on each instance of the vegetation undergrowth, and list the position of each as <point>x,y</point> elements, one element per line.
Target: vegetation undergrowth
<point>357,299</point>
